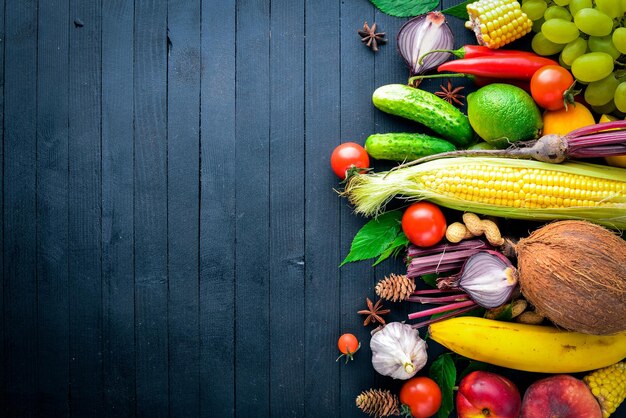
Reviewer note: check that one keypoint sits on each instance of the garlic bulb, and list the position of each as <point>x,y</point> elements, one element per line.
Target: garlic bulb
<point>398,351</point>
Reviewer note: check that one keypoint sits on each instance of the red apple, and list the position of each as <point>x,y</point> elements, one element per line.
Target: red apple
<point>483,394</point>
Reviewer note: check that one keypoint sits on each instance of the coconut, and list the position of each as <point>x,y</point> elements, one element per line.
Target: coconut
<point>574,273</point>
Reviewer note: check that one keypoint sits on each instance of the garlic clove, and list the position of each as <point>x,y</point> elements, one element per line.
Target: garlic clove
<point>409,368</point>
<point>398,351</point>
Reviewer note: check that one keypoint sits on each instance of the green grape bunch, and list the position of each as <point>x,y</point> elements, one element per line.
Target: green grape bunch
<point>589,37</point>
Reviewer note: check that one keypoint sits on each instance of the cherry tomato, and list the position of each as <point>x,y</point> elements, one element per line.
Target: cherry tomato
<point>348,155</point>
<point>422,395</point>
<point>348,344</point>
<point>424,224</point>
<point>551,87</point>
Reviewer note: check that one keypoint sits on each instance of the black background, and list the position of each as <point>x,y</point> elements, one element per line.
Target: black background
<point>171,236</point>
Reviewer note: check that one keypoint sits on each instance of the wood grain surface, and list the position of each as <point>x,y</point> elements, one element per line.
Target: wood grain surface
<point>171,234</point>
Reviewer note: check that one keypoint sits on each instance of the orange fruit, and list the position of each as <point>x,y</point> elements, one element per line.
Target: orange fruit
<point>564,121</point>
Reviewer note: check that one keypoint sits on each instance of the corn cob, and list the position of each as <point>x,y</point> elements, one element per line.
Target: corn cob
<point>608,385</point>
<point>519,189</point>
<point>497,22</point>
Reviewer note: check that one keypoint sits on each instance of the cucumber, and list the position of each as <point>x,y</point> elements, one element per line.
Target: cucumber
<point>405,146</point>
<point>426,108</point>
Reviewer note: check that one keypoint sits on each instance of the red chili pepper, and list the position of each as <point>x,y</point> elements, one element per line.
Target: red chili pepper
<point>473,51</point>
<point>512,67</point>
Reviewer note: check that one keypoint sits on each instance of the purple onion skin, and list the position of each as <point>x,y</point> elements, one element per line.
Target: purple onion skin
<point>423,34</point>
<point>488,277</point>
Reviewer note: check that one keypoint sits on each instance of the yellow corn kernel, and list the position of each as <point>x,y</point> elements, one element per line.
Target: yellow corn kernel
<point>608,385</point>
<point>542,188</point>
<point>497,22</point>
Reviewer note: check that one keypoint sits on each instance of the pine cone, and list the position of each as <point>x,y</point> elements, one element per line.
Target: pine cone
<point>395,287</point>
<point>378,403</point>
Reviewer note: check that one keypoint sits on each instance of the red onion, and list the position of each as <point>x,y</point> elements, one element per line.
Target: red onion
<point>487,277</point>
<point>421,35</point>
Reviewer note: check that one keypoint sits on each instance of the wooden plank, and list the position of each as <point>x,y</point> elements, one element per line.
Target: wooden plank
<point>150,87</point>
<point>287,209</point>
<point>389,68</point>
<point>118,296</point>
<point>357,122</point>
<point>322,209</point>
<point>2,327</point>
<point>85,266</point>
<point>20,209</point>
<point>217,210</point>
<point>252,209</point>
<point>52,208</point>
<point>183,206</point>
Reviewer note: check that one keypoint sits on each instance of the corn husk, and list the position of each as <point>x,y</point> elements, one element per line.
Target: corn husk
<point>369,193</point>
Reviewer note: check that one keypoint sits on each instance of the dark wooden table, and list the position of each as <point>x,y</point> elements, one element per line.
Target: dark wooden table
<point>170,235</point>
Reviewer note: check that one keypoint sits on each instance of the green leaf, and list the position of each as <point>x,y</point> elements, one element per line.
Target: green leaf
<point>400,242</point>
<point>405,8</point>
<point>430,279</point>
<point>443,371</point>
<point>374,237</point>
<point>477,311</point>
<point>474,366</point>
<point>460,10</point>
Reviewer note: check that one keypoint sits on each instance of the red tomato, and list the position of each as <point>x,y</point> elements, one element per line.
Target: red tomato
<point>550,87</point>
<point>424,224</point>
<point>348,155</point>
<point>348,344</point>
<point>422,395</point>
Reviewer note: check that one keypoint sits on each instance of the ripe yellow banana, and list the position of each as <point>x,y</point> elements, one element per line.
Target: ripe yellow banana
<point>532,348</point>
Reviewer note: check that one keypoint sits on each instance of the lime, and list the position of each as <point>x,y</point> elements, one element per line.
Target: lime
<point>502,113</point>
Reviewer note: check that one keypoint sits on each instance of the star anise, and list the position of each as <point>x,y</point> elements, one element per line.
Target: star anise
<point>370,38</point>
<point>451,95</point>
<point>374,312</point>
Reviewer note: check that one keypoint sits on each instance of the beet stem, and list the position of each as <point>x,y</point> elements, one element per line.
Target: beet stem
<point>439,263</point>
<point>599,139</point>
<point>441,309</point>
<point>443,317</point>
<point>447,257</point>
<point>599,151</point>
<point>586,130</point>
<point>443,299</point>
<point>434,291</point>
<point>469,244</point>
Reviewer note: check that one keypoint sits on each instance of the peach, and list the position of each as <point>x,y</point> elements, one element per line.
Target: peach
<point>560,396</point>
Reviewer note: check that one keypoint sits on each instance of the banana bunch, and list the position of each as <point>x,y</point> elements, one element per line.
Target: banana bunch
<point>532,348</point>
